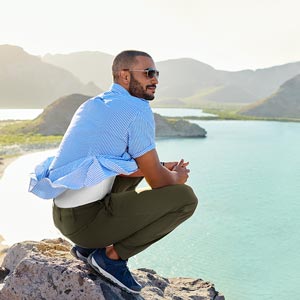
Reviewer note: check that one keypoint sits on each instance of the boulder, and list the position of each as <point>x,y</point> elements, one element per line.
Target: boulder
<point>176,128</point>
<point>46,270</point>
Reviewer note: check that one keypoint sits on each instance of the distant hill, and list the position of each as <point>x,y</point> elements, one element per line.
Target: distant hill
<point>184,77</point>
<point>263,82</point>
<point>285,103</point>
<point>192,82</point>
<point>86,65</point>
<point>55,119</point>
<point>185,81</point>
<point>28,82</point>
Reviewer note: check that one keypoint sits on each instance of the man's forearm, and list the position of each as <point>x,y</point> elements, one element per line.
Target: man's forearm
<point>157,175</point>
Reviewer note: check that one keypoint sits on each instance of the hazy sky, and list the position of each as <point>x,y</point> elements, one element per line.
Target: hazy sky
<point>227,34</point>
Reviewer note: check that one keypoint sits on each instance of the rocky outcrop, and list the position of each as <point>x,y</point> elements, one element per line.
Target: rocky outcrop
<point>176,128</point>
<point>46,270</point>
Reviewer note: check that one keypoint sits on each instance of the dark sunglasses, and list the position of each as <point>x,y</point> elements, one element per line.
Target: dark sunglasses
<point>150,72</point>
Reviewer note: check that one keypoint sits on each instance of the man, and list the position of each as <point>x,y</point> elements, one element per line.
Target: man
<point>107,150</point>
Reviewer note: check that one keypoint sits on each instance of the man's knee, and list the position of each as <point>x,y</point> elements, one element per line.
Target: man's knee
<point>185,196</point>
<point>191,198</point>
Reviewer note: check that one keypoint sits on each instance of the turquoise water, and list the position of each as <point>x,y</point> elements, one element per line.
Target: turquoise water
<point>244,235</point>
<point>179,112</point>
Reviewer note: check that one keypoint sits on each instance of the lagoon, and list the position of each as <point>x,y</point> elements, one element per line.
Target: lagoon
<point>244,235</point>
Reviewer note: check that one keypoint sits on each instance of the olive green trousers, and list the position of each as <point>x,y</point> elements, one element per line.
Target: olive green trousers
<point>128,219</point>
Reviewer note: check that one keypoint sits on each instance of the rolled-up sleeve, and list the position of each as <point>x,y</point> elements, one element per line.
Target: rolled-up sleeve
<point>141,134</point>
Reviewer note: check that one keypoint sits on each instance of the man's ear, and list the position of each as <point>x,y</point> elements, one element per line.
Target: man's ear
<point>125,77</point>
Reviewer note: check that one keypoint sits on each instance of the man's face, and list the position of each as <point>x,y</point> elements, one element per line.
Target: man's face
<point>140,84</point>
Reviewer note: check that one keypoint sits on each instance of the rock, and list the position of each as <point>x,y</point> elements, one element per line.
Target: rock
<point>177,128</point>
<point>3,273</point>
<point>46,270</point>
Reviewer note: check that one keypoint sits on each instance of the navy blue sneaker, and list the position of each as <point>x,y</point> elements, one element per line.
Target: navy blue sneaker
<point>115,271</point>
<point>81,253</point>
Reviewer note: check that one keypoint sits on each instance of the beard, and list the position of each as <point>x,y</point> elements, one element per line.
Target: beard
<point>136,90</point>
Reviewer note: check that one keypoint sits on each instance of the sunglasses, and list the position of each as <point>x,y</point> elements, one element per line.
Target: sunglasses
<point>150,72</point>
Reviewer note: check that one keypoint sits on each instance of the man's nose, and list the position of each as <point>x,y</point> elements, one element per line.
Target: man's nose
<point>154,80</point>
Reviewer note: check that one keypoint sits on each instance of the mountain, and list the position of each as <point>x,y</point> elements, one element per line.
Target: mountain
<point>285,103</point>
<point>263,82</point>
<point>86,65</point>
<point>185,81</point>
<point>184,77</point>
<point>28,82</point>
<point>31,81</point>
<point>193,82</point>
<point>56,117</point>
<point>180,78</point>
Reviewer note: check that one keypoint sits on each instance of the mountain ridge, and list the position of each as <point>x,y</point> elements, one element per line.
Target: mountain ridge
<point>184,82</point>
<point>284,103</point>
<point>28,82</point>
<point>84,65</point>
<point>185,78</point>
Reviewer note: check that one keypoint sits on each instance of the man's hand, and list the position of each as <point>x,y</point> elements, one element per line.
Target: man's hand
<point>171,164</point>
<point>182,171</point>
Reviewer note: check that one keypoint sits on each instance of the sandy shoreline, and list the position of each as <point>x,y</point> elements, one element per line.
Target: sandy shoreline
<point>4,162</point>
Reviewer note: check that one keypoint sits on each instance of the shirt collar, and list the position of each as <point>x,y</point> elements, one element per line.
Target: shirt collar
<point>117,88</point>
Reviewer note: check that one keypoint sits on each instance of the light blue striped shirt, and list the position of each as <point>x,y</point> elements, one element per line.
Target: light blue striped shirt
<point>104,137</point>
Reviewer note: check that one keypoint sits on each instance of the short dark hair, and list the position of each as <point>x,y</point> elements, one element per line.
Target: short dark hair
<point>125,60</point>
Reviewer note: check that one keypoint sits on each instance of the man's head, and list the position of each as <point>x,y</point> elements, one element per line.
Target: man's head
<point>136,72</point>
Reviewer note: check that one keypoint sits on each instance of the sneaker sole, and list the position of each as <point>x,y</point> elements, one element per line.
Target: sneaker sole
<point>109,277</point>
<point>77,255</point>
